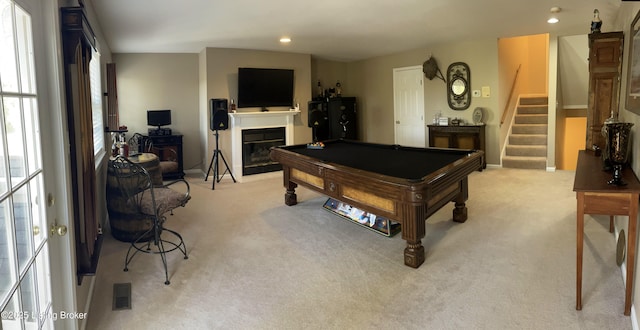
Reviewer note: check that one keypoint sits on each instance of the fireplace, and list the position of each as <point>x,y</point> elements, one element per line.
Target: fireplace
<point>255,149</point>
<point>241,121</point>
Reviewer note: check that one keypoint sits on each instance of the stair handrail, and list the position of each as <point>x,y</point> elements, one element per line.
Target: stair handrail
<point>513,87</point>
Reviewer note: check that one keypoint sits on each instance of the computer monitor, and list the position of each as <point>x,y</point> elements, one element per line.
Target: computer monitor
<point>158,118</point>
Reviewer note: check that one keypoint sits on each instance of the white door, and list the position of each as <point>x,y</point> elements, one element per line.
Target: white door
<point>26,212</point>
<point>408,102</point>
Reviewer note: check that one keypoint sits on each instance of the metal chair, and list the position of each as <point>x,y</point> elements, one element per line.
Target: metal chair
<point>138,144</point>
<point>168,155</point>
<point>141,196</point>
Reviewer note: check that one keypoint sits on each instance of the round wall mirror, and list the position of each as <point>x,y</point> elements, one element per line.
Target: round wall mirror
<point>458,86</point>
<point>458,78</point>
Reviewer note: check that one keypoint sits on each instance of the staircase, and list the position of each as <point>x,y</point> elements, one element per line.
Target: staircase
<point>527,143</point>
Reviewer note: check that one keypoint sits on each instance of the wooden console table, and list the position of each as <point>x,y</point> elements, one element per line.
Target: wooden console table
<point>595,196</point>
<point>462,137</point>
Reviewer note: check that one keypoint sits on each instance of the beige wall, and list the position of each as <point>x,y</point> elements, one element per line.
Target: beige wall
<point>222,82</point>
<point>626,14</point>
<point>144,83</point>
<point>571,95</point>
<point>147,81</point>
<point>329,73</point>
<point>573,70</point>
<point>161,81</point>
<point>372,81</point>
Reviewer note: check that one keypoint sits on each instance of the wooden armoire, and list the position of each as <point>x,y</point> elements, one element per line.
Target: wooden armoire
<point>605,68</point>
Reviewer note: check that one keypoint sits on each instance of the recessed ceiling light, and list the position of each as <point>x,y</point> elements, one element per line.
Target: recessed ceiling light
<point>285,40</point>
<point>552,20</point>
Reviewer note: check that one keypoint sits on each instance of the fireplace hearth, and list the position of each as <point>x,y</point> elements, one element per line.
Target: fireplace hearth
<point>256,144</point>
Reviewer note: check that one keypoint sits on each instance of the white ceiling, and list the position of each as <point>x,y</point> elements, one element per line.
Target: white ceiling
<point>344,30</point>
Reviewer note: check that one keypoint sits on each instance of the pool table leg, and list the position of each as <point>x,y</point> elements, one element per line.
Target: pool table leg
<point>290,197</point>
<point>460,212</point>
<point>414,254</point>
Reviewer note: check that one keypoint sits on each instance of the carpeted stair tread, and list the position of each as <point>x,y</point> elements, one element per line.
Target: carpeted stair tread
<point>524,162</point>
<point>531,119</point>
<point>529,129</point>
<point>527,142</point>
<point>534,100</point>
<point>533,109</point>
<point>528,139</point>
<point>527,150</point>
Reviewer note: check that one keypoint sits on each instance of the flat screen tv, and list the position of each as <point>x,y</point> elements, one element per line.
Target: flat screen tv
<point>265,88</point>
<point>158,117</point>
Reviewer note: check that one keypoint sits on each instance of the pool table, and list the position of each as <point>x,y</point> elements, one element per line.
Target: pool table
<point>403,184</point>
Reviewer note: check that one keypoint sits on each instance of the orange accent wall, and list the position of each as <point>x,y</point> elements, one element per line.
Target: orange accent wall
<point>574,139</point>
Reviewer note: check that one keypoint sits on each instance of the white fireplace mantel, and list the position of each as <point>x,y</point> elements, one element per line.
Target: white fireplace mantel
<point>239,121</point>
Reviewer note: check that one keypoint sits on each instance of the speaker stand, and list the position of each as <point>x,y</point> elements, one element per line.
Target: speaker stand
<point>217,154</point>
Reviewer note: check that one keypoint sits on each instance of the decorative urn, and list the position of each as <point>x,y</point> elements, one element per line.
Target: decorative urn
<point>618,136</point>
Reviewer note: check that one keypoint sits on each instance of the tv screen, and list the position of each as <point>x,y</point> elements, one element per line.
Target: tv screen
<point>158,117</point>
<point>265,87</point>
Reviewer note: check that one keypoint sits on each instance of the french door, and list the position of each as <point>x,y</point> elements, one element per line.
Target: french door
<point>25,276</point>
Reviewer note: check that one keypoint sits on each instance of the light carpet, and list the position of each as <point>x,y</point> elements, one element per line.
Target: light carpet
<point>255,263</point>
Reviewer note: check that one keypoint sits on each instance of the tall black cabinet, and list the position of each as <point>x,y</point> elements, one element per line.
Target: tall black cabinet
<point>333,118</point>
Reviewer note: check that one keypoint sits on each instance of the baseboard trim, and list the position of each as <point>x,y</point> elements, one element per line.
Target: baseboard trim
<point>623,273</point>
<point>87,305</point>
<point>194,171</point>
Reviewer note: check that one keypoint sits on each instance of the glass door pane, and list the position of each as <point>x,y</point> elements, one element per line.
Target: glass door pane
<point>8,273</point>
<point>25,285</point>
<point>13,128</point>
<point>22,225</point>
<point>9,67</point>
<point>36,202</point>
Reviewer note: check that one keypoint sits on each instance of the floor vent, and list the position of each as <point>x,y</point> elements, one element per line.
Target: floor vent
<point>121,296</point>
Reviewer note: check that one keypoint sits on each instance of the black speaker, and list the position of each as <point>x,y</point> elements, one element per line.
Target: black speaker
<point>318,120</point>
<point>343,118</point>
<point>219,117</point>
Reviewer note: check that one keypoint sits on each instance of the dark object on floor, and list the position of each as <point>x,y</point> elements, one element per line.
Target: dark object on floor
<point>121,296</point>
<point>368,220</point>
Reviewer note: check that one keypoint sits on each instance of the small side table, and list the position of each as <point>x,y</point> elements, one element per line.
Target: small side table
<point>595,196</point>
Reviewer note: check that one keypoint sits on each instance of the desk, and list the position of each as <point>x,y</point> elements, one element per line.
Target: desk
<point>402,184</point>
<point>595,196</point>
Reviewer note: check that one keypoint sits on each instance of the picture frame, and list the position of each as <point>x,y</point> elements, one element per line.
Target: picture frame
<point>633,67</point>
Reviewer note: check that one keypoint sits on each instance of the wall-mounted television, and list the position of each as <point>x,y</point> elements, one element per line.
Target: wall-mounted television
<point>265,88</point>
<point>158,117</point>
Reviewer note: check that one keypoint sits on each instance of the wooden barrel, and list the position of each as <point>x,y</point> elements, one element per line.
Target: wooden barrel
<point>125,221</point>
<point>151,163</point>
